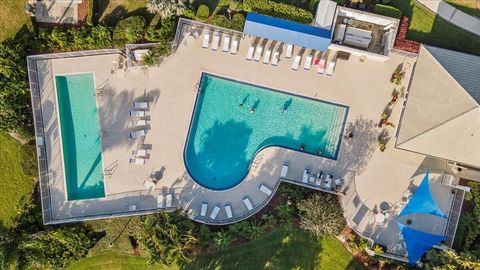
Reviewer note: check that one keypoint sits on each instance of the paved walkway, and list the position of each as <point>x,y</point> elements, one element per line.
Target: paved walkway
<point>453,15</point>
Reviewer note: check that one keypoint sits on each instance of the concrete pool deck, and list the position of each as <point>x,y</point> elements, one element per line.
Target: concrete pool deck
<point>372,176</point>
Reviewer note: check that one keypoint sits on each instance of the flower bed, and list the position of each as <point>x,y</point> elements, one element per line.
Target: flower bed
<point>401,42</point>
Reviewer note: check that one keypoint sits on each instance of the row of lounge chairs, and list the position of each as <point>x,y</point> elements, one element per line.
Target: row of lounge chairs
<point>139,114</point>
<point>233,47</point>
<point>228,208</point>
<point>164,201</point>
<point>318,180</point>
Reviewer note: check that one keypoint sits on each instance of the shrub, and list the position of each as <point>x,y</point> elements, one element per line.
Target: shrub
<point>28,155</point>
<point>165,33</point>
<point>387,11</point>
<point>279,10</point>
<point>129,30</point>
<point>223,240</point>
<point>236,23</point>
<point>28,218</point>
<point>312,5</point>
<point>205,236</point>
<point>341,2</point>
<point>321,214</point>
<point>203,12</point>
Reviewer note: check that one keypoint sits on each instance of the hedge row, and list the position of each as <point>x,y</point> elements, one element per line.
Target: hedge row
<point>279,10</point>
<point>387,11</point>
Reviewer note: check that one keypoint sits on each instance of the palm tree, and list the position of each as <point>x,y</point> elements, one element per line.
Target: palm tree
<point>165,8</point>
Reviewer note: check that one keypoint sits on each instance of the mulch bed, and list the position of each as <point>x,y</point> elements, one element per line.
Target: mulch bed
<point>401,42</point>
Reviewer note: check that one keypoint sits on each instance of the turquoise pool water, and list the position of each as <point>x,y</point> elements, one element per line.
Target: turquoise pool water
<point>82,150</point>
<point>224,136</point>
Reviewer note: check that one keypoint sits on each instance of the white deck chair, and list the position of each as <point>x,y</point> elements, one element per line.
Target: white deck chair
<point>321,64</point>
<point>206,40</point>
<point>203,211</point>
<point>318,181</point>
<point>168,202</point>
<point>330,67</point>
<point>138,113</point>
<point>139,123</point>
<point>138,133</point>
<point>195,34</point>
<point>133,207</point>
<point>266,57</point>
<point>228,210</point>
<point>296,62</point>
<point>226,43</point>
<point>160,203</point>
<point>289,51</point>
<point>328,181</point>
<point>276,56</point>
<point>215,211</point>
<point>138,161</point>
<point>265,190</point>
<point>305,176</point>
<point>311,180</point>
<point>140,153</point>
<point>248,203</point>
<point>258,53</point>
<point>250,52</point>
<point>308,62</point>
<point>234,47</point>
<point>215,41</point>
<point>141,105</point>
<point>284,171</point>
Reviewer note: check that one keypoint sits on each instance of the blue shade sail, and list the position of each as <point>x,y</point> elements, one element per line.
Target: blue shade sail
<point>287,31</point>
<point>418,242</point>
<point>422,202</point>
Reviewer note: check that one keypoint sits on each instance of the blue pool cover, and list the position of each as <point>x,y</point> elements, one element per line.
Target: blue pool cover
<point>287,31</point>
<point>422,201</point>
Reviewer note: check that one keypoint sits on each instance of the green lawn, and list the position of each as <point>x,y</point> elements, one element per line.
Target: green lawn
<point>13,183</point>
<point>467,6</point>
<point>13,17</point>
<point>279,249</point>
<point>427,28</point>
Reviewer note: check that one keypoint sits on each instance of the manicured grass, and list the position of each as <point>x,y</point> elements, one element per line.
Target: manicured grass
<point>111,11</point>
<point>279,249</point>
<point>13,19</point>
<point>13,183</point>
<point>467,6</point>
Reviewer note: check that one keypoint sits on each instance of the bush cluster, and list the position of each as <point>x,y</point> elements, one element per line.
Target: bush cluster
<point>28,155</point>
<point>129,30</point>
<point>166,31</point>
<point>387,11</point>
<point>82,38</point>
<point>279,10</point>
<point>236,23</point>
<point>203,12</point>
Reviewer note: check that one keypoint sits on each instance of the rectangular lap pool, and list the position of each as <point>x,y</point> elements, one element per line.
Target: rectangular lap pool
<point>232,121</point>
<point>82,150</point>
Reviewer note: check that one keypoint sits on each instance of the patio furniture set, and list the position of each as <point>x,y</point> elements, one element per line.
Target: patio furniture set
<point>227,39</point>
<point>139,117</point>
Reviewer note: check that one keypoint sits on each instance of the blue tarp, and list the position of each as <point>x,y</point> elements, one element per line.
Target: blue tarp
<point>422,202</point>
<point>287,31</point>
<point>418,242</point>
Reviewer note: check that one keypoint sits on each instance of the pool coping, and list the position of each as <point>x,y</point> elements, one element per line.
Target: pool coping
<point>204,73</point>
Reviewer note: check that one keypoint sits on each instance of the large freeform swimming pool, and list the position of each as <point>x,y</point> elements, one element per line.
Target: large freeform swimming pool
<point>232,121</point>
<point>82,151</point>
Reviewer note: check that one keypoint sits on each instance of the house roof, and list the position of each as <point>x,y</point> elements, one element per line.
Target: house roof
<point>442,113</point>
<point>325,14</point>
<point>287,31</point>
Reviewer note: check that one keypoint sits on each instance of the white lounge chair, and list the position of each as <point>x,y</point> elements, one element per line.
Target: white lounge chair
<point>305,176</point>
<point>160,203</point>
<point>328,181</point>
<point>169,200</point>
<point>311,180</point>
<point>139,123</point>
<point>228,210</point>
<point>266,57</point>
<point>234,47</point>
<point>265,190</point>
<point>276,56</point>
<point>226,43</point>
<point>138,113</point>
<point>289,51</point>
<point>141,105</point>
<point>321,64</point>
<point>206,40</point>
<point>296,62</point>
<point>138,161</point>
<point>284,171</point>
<point>318,181</point>
<point>140,152</point>
<point>248,203</point>
<point>258,53</point>
<point>138,133</point>
<point>308,62</point>
<point>133,207</point>
<point>251,49</point>
<point>215,41</point>
<point>203,211</point>
<point>215,211</point>
<point>331,67</point>
<point>195,34</point>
